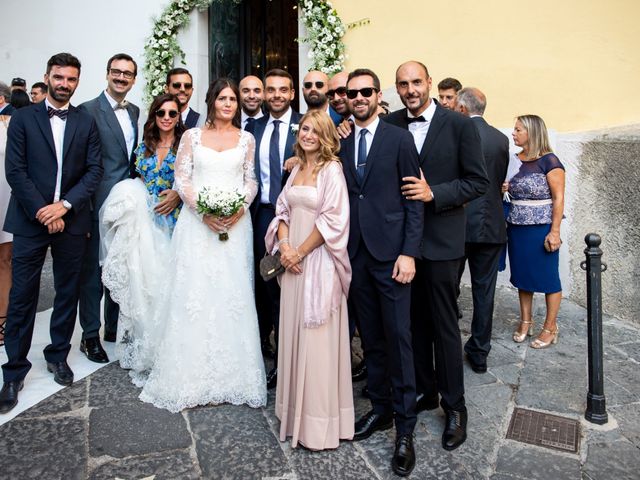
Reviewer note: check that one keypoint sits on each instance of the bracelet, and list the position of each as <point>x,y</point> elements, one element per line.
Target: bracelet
<point>299,256</point>
<point>284,240</point>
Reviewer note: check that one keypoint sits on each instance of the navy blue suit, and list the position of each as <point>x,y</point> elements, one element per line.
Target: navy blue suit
<point>116,161</point>
<point>452,163</point>
<point>31,166</point>
<point>383,226</point>
<point>267,293</point>
<point>192,119</point>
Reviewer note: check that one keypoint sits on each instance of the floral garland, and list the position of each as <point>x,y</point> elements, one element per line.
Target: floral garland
<point>324,29</point>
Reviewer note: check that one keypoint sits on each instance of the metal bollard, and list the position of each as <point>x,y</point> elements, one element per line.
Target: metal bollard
<point>596,406</point>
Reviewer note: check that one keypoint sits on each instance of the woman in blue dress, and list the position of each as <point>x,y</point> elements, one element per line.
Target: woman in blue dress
<point>155,158</point>
<point>533,226</point>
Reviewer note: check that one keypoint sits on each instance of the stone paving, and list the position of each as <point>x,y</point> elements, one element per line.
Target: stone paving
<point>98,429</point>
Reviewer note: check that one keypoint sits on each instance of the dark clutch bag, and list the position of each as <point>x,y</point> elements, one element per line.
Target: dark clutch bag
<point>270,266</point>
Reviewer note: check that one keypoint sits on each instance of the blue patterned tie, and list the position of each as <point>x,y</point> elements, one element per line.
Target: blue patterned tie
<point>275,169</point>
<point>362,153</point>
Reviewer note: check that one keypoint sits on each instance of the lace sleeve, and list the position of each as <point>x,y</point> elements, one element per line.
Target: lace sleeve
<point>184,170</point>
<point>250,182</point>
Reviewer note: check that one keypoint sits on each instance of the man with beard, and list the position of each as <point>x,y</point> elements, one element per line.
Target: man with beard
<point>452,173</point>
<point>53,168</point>
<point>275,135</point>
<point>117,122</point>
<point>180,84</point>
<point>251,98</point>
<point>314,90</point>
<point>448,92</point>
<point>337,94</point>
<point>384,239</point>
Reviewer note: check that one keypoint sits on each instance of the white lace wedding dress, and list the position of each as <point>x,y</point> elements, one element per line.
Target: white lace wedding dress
<point>209,347</point>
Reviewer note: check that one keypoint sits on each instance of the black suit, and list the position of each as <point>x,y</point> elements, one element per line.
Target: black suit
<point>31,167</point>
<point>383,226</point>
<point>485,237</point>
<point>451,160</point>
<point>192,119</point>
<point>267,293</point>
<point>8,110</point>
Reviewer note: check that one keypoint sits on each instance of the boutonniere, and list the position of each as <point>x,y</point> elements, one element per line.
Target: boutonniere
<point>294,128</point>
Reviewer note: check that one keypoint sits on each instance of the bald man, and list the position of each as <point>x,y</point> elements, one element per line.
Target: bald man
<point>251,98</point>
<point>338,94</point>
<point>315,86</point>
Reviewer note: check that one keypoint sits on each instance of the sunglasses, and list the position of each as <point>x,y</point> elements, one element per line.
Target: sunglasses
<point>365,92</point>
<point>340,91</point>
<point>177,85</point>
<point>161,113</point>
<point>308,85</point>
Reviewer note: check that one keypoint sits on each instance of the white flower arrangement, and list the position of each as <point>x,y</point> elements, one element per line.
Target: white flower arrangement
<point>219,203</point>
<point>324,29</point>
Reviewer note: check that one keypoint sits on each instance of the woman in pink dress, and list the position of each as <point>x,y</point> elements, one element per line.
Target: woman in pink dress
<point>314,398</point>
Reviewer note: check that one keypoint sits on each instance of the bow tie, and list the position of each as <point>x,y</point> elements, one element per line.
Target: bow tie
<point>60,113</point>
<point>415,119</point>
<point>121,105</point>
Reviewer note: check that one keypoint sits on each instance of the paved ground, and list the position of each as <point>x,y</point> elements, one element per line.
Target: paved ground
<point>98,429</point>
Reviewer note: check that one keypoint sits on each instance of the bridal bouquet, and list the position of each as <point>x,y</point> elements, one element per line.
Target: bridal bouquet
<point>219,203</point>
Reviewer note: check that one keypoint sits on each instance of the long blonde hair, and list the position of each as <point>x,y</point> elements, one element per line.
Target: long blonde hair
<point>328,137</point>
<point>538,143</point>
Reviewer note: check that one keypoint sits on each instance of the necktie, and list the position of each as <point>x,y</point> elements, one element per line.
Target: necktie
<point>121,105</point>
<point>415,119</point>
<point>60,113</point>
<point>275,170</point>
<point>362,153</point>
<point>249,124</point>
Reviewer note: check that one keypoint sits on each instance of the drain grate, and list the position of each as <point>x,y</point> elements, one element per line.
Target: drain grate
<point>543,429</point>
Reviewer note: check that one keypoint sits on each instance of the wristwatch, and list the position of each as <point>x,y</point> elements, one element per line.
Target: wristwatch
<point>66,204</point>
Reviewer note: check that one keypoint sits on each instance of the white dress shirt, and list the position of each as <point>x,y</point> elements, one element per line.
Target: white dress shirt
<point>264,151</point>
<point>185,114</point>
<point>126,125</point>
<point>244,118</point>
<point>371,131</point>
<point>57,128</point>
<point>419,130</point>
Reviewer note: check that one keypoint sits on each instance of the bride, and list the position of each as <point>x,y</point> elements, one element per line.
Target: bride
<point>208,347</point>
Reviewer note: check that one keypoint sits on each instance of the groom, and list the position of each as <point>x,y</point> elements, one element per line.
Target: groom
<point>384,239</point>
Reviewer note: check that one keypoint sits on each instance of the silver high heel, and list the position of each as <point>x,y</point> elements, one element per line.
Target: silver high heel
<point>539,344</point>
<point>519,337</point>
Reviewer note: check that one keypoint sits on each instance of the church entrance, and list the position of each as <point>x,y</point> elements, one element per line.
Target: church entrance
<point>252,38</point>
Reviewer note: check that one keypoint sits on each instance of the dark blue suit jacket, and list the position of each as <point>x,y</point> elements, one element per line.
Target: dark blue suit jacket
<point>451,159</point>
<point>381,217</point>
<point>116,160</point>
<point>335,116</point>
<point>257,130</point>
<point>8,110</point>
<point>31,166</point>
<point>192,119</point>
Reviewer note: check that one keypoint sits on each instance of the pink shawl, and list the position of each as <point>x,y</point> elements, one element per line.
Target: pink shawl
<point>326,270</point>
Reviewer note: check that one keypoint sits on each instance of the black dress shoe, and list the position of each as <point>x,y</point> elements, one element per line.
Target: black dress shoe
<point>359,372</point>
<point>424,402</point>
<point>455,430</point>
<point>9,395</point>
<point>62,374</point>
<point>92,348</point>
<point>267,350</point>
<point>371,422</point>
<point>272,378</point>
<point>365,392</point>
<point>478,367</point>
<point>110,337</point>
<point>404,457</point>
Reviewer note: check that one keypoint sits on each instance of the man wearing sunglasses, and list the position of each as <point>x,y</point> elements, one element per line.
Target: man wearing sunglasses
<point>180,84</point>
<point>338,94</point>
<point>315,87</point>
<point>275,135</point>
<point>117,122</point>
<point>384,239</point>
<point>452,174</point>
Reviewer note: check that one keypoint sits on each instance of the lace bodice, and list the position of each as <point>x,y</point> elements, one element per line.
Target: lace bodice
<point>198,166</point>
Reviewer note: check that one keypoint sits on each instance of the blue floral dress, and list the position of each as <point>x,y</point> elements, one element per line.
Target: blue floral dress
<point>157,180</point>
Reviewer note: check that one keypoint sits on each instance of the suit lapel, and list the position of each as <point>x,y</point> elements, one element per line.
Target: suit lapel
<point>258,132</point>
<point>111,120</point>
<point>438,120</point>
<point>291,136</point>
<point>45,125</point>
<point>69,130</point>
<point>348,148</point>
<point>378,139</point>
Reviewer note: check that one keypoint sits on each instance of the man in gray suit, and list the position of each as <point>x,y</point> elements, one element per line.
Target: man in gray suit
<point>117,122</point>
<point>486,229</point>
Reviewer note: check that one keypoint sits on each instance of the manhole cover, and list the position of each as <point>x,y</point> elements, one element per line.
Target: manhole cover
<point>545,430</point>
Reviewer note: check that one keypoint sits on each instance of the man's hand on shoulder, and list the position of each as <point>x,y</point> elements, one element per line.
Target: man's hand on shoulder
<point>417,188</point>
<point>344,129</point>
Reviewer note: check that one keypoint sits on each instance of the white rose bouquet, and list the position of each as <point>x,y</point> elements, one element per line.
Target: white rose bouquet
<point>219,203</point>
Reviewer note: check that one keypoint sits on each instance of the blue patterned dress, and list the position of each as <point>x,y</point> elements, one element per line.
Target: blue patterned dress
<point>533,269</point>
<point>157,180</point>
